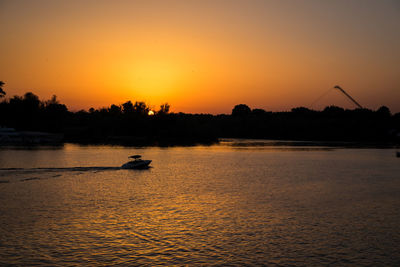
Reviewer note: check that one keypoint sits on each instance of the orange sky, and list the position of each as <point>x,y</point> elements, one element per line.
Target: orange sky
<point>203,56</point>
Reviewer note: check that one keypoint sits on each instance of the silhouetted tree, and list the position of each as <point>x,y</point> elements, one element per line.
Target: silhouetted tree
<point>301,110</point>
<point>127,107</point>
<point>258,112</point>
<point>31,101</point>
<point>52,101</point>
<point>333,110</point>
<point>53,106</point>
<point>164,109</point>
<point>115,110</point>
<point>53,115</point>
<point>2,92</point>
<point>140,108</point>
<point>241,110</point>
<point>384,111</point>
<point>15,101</point>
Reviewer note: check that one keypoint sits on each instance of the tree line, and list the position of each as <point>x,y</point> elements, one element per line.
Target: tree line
<point>132,123</point>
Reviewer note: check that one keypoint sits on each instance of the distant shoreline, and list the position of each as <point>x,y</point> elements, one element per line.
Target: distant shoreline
<point>28,120</point>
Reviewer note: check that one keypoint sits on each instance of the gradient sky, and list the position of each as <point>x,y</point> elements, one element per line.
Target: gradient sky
<point>203,56</point>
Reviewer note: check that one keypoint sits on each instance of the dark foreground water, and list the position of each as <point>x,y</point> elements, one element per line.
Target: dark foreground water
<point>232,204</point>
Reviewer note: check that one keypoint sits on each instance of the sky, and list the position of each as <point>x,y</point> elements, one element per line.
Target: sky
<point>203,56</point>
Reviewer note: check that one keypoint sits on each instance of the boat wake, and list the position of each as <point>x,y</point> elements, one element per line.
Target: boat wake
<point>8,175</point>
<point>67,169</point>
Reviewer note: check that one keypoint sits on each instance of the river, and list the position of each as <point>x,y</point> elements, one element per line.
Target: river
<point>241,202</point>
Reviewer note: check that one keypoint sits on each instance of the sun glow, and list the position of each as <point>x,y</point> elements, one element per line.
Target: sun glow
<point>200,56</point>
<point>154,79</point>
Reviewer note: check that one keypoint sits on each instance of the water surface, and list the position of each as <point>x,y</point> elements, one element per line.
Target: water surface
<point>227,204</point>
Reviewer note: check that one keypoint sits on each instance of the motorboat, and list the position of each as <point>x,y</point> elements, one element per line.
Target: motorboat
<point>136,163</point>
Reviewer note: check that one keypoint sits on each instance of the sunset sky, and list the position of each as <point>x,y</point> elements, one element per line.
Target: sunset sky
<point>203,56</point>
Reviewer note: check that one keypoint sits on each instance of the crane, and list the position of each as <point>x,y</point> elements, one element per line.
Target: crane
<point>346,94</point>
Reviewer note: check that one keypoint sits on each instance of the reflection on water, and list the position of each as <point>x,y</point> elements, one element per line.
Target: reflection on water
<point>224,204</point>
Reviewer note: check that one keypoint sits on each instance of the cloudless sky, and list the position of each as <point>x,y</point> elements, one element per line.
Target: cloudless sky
<point>203,56</point>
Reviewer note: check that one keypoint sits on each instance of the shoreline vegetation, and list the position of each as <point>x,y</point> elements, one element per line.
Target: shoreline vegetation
<point>28,120</point>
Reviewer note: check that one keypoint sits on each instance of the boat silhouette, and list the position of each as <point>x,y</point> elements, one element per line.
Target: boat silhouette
<point>136,163</point>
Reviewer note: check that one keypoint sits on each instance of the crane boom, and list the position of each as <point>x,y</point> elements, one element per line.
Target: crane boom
<point>346,94</point>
